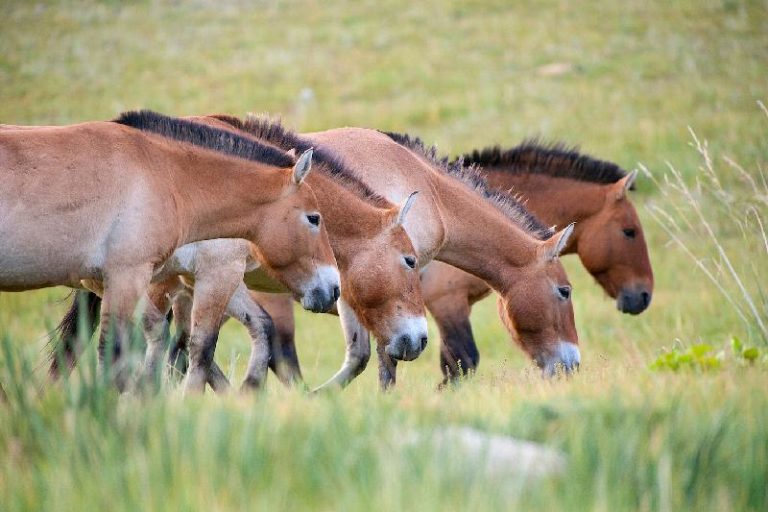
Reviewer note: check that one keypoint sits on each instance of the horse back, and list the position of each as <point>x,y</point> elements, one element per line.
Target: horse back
<point>71,195</point>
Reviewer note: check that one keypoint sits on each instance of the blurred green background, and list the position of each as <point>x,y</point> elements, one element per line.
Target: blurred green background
<point>624,80</point>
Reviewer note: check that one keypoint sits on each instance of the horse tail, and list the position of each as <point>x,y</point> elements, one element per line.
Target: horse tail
<point>63,342</point>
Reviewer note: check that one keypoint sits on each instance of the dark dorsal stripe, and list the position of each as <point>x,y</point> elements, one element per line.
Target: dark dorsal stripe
<point>470,176</point>
<point>208,137</point>
<point>272,131</point>
<point>549,159</point>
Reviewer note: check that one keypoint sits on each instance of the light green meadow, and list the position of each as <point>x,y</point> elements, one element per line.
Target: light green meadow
<point>624,80</point>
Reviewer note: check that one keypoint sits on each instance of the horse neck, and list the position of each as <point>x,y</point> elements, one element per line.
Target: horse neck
<point>479,238</point>
<point>222,197</point>
<point>555,201</point>
<point>445,222</point>
<point>348,218</point>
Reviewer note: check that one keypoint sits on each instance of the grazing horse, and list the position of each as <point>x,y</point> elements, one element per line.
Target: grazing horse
<point>109,202</point>
<point>460,221</point>
<point>377,262</point>
<point>560,186</point>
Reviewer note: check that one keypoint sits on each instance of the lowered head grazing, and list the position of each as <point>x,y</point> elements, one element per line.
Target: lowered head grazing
<point>295,247</point>
<point>534,291</point>
<point>384,288</point>
<point>538,310</point>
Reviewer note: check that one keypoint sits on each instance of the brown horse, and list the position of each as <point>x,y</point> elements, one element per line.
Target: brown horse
<point>560,186</point>
<point>110,201</point>
<point>375,258</point>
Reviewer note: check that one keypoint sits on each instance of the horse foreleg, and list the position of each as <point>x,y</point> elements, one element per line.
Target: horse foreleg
<point>458,352</point>
<point>156,324</point>
<point>358,351</point>
<point>178,356</point>
<point>283,359</point>
<point>387,369</point>
<point>123,290</point>
<point>248,312</point>
<point>212,293</point>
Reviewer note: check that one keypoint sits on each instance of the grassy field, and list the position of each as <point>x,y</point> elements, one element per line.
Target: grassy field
<point>624,80</point>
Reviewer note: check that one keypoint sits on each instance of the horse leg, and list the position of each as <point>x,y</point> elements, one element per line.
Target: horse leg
<point>123,290</point>
<point>156,324</point>
<point>283,360</point>
<point>458,352</point>
<point>178,359</point>
<point>387,369</point>
<point>178,356</point>
<point>248,312</point>
<point>212,293</point>
<point>358,350</point>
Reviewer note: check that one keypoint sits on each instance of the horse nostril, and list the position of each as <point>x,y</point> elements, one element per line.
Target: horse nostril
<point>646,298</point>
<point>423,342</point>
<point>336,292</point>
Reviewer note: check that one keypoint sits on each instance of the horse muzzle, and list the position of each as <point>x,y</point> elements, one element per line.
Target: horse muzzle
<point>323,292</point>
<point>410,340</point>
<point>633,301</point>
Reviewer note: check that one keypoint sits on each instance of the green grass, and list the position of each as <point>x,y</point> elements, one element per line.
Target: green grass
<point>469,75</point>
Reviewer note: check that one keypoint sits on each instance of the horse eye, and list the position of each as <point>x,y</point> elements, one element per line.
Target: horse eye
<point>564,291</point>
<point>410,261</point>
<point>314,219</point>
<point>629,232</point>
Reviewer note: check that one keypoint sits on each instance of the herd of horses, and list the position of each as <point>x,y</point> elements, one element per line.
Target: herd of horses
<point>216,217</point>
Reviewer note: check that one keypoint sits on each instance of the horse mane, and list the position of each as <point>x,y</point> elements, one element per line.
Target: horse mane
<point>205,136</point>
<point>554,159</point>
<point>469,174</point>
<point>272,131</point>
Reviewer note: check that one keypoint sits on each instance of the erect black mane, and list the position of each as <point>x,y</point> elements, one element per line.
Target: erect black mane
<point>204,136</point>
<point>273,132</point>
<point>509,205</point>
<point>553,159</point>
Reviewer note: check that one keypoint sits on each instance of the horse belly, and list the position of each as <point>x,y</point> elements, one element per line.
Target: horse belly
<point>47,249</point>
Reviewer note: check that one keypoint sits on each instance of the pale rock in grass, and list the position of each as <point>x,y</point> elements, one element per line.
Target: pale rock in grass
<point>498,457</point>
<point>555,69</point>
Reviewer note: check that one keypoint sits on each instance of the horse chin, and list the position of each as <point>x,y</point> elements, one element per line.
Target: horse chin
<point>564,359</point>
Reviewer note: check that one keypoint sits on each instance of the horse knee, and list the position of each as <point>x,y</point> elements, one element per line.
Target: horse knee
<point>268,329</point>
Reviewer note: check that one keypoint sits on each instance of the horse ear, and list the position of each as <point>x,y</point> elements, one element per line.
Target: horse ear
<point>302,167</point>
<point>404,207</point>
<point>622,186</point>
<point>551,249</point>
